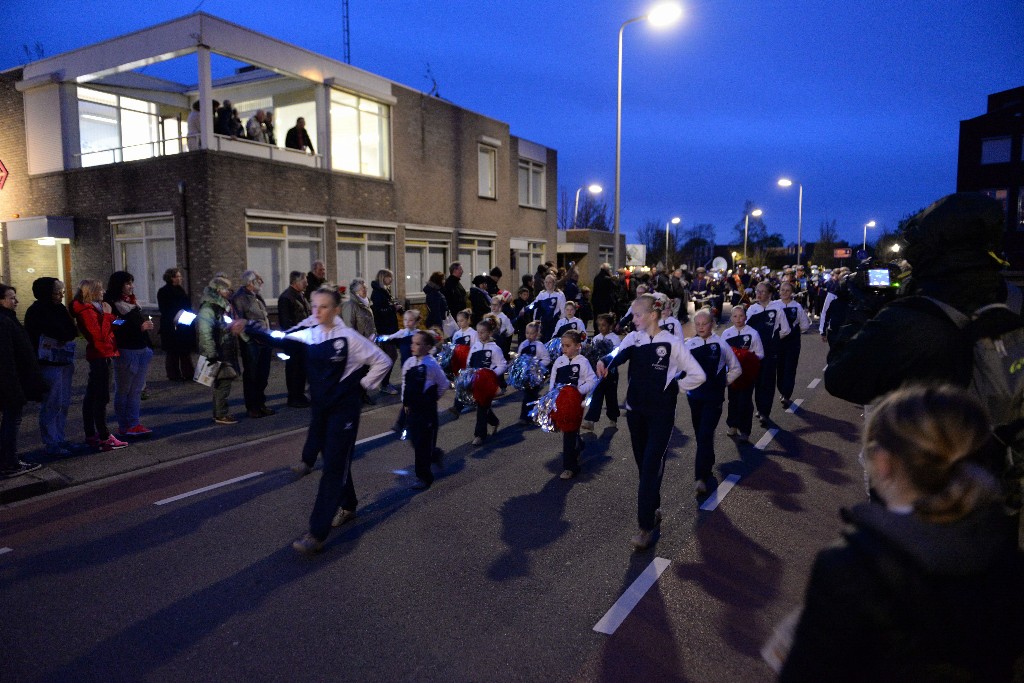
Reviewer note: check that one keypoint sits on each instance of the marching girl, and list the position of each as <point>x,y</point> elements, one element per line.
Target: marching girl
<point>423,383</point>
<point>465,334</point>
<point>669,322</point>
<point>548,307</point>
<point>721,367</point>
<point>740,335</point>
<point>403,340</point>
<point>335,355</point>
<point>532,347</point>
<point>789,346</point>
<point>503,335</point>
<point>607,390</point>
<point>627,324</point>
<point>486,354</point>
<point>659,366</point>
<point>572,368</point>
<point>569,322</point>
<point>768,318</point>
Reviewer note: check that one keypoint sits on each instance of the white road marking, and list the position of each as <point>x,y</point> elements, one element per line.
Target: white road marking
<point>373,438</point>
<point>794,406</point>
<point>824,368</point>
<point>719,493</point>
<point>814,383</point>
<point>165,501</point>
<point>614,617</point>
<point>766,439</point>
<point>6,550</point>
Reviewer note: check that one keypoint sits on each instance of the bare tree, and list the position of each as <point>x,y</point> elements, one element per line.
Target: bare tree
<point>698,245</point>
<point>824,249</point>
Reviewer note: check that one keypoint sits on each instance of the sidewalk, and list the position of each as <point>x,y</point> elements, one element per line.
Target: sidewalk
<point>180,415</point>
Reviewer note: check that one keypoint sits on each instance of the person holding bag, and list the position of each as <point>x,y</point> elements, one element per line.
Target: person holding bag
<point>131,331</point>
<point>96,323</point>
<point>217,344</point>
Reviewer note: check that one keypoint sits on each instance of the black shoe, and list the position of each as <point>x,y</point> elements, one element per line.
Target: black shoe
<point>420,485</point>
<point>267,412</point>
<point>299,403</point>
<point>22,468</point>
<point>438,458</point>
<point>764,421</point>
<point>367,400</point>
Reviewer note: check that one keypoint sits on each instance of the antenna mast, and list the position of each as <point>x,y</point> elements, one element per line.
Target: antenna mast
<point>348,42</point>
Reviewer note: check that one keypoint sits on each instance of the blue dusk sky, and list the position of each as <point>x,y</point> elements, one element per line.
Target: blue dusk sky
<point>860,102</point>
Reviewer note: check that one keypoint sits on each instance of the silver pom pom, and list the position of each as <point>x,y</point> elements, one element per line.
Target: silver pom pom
<point>527,372</point>
<point>554,348</point>
<point>543,407</point>
<point>444,357</point>
<point>464,387</point>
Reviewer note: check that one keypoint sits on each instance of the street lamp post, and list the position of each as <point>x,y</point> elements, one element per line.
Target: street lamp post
<point>746,224</point>
<point>674,221</point>
<point>662,14</point>
<point>869,224</point>
<point>786,182</point>
<point>593,188</point>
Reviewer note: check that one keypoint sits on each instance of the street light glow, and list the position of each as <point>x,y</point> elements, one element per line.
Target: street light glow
<point>871,224</point>
<point>664,14</point>
<point>675,221</point>
<point>895,248</point>
<point>756,213</point>
<point>785,182</point>
<point>595,189</point>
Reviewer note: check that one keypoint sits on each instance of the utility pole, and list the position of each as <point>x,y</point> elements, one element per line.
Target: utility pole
<point>348,41</point>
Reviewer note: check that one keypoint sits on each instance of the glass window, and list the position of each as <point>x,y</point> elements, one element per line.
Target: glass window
<point>526,263</point>
<point>423,257</point>
<point>487,162</point>
<point>274,249</point>
<point>476,257</point>
<point>605,253</point>
<point>114,128</point>
<point>360,135</point>
<point>145,248</point>
<point>531,184</point>
<point>363,254</point>
<point>995,151</point>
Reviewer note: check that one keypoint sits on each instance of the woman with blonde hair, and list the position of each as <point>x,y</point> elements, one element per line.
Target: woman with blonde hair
<point>385,318</point>
<point>357,314</point>
<point>95,320</point>
<point>928,585</point>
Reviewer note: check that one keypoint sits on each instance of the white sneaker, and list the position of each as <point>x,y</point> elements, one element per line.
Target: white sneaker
<point>733,431</point>
<point>700,487</point>
<point>478,441</point>
<point>587,426</point>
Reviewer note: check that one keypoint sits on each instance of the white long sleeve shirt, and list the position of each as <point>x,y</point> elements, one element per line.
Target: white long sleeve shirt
<point>575,371</point>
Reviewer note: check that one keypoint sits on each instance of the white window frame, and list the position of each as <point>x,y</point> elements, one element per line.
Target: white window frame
<point>605,253</point>
<point>365,237</point>
<point>533,169</point>
<point>159,144</point>
<point>991,154</point>
<point>414,290</point>
<point>271,287</point>
<point>487,173</point>
<point>152,278</point>
<point>384,134</point>
<point>469,250</point>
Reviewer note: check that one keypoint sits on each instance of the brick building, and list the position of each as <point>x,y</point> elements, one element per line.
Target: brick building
<point>104,173</point>
<point>991,160</point>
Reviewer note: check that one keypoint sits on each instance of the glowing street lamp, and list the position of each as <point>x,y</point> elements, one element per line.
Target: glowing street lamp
<point>594,189</point>
<point>662,14</point>
<point>746,224</point>
<point>895,248</point>
<point>786,182</point>
<point>674,221</point>
<point>869,224</point>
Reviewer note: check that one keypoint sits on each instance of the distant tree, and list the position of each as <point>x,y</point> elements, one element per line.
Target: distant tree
<point>824,249</point>
<point>652,235</point>
<point>593,214</point>
<point>758,238</point>
<point>882,247</point>
<point>698,245</point>
<point>34,54</point>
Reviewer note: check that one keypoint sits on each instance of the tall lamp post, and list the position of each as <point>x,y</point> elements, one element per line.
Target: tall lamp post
<point>869,224</point>
<point>756,213</point>
<point>662,14</point>
<point>786,182</point>
<point>674,221</point>
<point>593,188</point>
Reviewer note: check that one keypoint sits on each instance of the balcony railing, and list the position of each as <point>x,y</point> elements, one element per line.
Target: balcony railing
<point>223,143</point>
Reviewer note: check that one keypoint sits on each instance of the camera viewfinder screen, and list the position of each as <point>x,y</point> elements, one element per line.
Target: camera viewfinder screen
<point>878,277</point>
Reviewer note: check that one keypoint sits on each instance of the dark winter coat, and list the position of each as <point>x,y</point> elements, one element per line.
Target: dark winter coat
<point>385,312</point>
<point>480,303</point>
<point>174,338</point>
<point>455,294</point>
<point>292,308</point>
<point>44,317</point>
<point>437,305</point>
<point>19,373</point>
<point>901,599</point>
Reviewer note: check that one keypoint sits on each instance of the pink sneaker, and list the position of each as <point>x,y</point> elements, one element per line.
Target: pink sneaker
<point>137,430</point>
<point>112,443</point>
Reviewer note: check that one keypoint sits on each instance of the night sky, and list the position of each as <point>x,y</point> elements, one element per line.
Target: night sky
<point>858,101</point>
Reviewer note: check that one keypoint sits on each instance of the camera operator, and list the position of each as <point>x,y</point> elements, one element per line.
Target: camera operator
<point>859,296</point>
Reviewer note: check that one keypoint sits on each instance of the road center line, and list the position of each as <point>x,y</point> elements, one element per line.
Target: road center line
<point>794,406</point>
<point>6,550</point>
<point>719,493</point>
<point>614,617</point>
<point>824,368</point>
<point>814,382</point>
<point>766,439</point>
<point>373,438</point>
<point>165,501</point>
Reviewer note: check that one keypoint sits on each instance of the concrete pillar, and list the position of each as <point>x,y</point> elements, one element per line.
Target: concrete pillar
<point>205,97</point>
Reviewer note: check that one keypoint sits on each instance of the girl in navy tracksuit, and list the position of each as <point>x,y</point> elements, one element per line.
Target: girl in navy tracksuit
<point>573,369</point>
<point>423,383</point>
<point>403,340</point>
<point>659,366</point>
<point>789,346</point>
<point>532,347</point>
<point>721,368</point>
<point>740,417</point>
<point>547,308</point>
<point>768,318</point>
<point>486,354</point>
<point>569,321</point>
<point>607,390</point>
<point>335,356</point>
<point>464,336</point>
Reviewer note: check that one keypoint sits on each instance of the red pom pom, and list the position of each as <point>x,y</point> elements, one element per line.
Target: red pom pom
<point>485,387</point>
<point>568,413</point>
<point>751,365</point>
<point>460,355</point>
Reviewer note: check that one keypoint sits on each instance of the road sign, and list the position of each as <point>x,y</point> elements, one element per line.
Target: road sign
<point>842,253</point>
<point>636,255</point>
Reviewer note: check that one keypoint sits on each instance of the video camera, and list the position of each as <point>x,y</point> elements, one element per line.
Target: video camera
<point>869,288</point>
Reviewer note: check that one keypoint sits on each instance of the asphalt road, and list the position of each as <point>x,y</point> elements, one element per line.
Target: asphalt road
<point>499,572</point>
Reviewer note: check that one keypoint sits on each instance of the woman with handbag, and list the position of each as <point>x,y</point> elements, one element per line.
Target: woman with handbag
<point>385,319</point>
<point>437,305</point>
<point>176,340</point>
<point>218,345</point>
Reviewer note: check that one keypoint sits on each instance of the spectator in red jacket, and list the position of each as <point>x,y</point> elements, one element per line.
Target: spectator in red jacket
<point>96,323</point>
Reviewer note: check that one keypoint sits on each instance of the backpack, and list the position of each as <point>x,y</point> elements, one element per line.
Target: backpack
<point>996,334</point>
